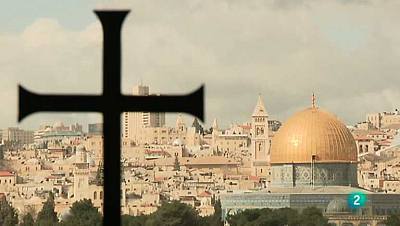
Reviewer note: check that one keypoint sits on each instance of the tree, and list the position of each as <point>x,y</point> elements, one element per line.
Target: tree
<point>1,151</point>
<point>291,216</point>
<point>174,213</point>
<point>47,216</point>
<point>392,220</point>
<point>128,220</point>
<point>312,216</point>
<point>100,175</point>
<point>247,217</point>
<point>8,215</point>
<point>215,219</point>
<point>197,126</point>
<point>278,217</point>
<point>83,213</point>
<point>177,166</point>
<point>27,220</point>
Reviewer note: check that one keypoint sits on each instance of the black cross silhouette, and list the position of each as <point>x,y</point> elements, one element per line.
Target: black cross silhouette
<point>111,104</point>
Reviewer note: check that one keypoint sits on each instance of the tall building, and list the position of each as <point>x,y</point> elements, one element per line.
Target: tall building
<point>259,140</point>
<point>17,135</point>
<point>133,122</point>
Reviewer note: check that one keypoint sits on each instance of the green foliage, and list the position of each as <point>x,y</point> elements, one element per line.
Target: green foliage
<point>278,217</point>
<point>128,220</point>
<point>83,213</point>
<point>197,126</point>
<point>215,219</point>
<point>1,152</point>
<point>177,166</point>
<point>312,216</point>
<point>100,175</point>
<point>174,214</point>
<point>47,216</point>
<point>8,215</point>
<point>27,220</point>
<point>392,220</point>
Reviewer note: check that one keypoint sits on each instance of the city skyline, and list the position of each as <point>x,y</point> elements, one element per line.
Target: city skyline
<point>345,52</point>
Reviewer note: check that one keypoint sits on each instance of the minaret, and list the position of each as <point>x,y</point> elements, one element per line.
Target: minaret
<point>260,143</point>
<point>215,125</point>
<point>215,132</point>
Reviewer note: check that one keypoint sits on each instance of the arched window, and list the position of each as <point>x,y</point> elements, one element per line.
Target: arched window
<point>95,195</point>
<point>101,194</point>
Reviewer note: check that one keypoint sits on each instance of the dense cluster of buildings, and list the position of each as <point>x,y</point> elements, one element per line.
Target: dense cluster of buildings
<point>312,159</point>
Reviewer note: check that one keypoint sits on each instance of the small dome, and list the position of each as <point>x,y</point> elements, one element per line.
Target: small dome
<point>338,206</point>
<point>313,132</point>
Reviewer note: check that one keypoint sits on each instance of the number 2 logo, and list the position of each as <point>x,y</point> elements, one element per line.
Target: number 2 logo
<point>357,200</point>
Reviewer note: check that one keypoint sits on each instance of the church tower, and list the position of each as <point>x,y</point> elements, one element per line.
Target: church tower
<point>214,133</point>
<point>180,124</point>
<point>260,143</point>
<point>81,174</point>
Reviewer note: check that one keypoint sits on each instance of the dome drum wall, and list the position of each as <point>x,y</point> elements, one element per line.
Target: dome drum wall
<point>325,174</point>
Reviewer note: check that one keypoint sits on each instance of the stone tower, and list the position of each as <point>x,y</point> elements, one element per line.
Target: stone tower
<point>215,132</point>
<point>81,174</point>
<point>180,124</point>
<point>260,143</point>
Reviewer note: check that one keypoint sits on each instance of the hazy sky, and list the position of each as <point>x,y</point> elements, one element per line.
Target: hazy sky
<point>347,52</point>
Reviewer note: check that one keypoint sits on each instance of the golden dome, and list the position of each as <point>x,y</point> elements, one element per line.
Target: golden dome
<point>313,132</point>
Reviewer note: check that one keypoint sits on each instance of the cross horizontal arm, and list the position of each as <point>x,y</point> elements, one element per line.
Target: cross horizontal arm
<point>30,102</point>
<point>192,103</point>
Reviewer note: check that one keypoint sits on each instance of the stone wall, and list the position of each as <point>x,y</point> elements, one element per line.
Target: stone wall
<point>325,174</point>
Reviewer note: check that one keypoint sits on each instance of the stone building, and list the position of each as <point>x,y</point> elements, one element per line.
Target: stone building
<point>314,163</point>
<point>134,122</point>
<point>16,135</point>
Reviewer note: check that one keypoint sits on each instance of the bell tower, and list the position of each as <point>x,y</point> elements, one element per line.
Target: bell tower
<point>81,174</point>
<point>260,143</point>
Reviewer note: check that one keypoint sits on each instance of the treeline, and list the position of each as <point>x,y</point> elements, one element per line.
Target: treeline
<point>393,220</point>
<point>83,213</point>
<point>175,213</point>
<point>310,216</point>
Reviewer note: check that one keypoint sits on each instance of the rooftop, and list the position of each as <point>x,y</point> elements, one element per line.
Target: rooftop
<point>5,173</point>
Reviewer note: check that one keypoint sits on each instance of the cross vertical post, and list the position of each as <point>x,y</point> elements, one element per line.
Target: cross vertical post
<point>112,24</point>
